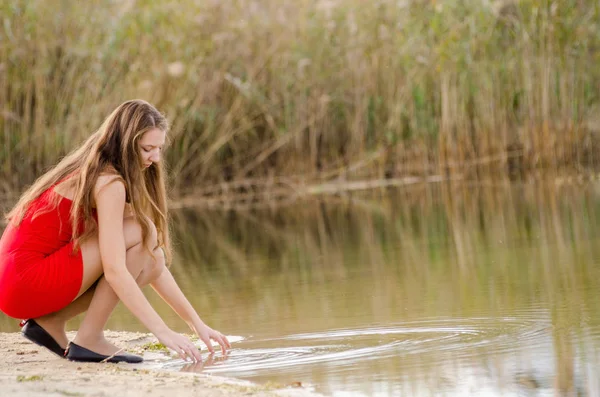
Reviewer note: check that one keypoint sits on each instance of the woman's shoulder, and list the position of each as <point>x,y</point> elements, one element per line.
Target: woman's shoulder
<point>109,179</point>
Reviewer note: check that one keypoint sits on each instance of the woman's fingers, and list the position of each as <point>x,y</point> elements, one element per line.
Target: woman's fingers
<point>181,345</point>
<point>184,354</point>
<point>208,344</point>
<point>226,341</point>
<point>196,356</point>
<point>221,340</point>
<point>192,351</point>
<point>181,352</point>
<point>186,349</point>
<point>210,335</point>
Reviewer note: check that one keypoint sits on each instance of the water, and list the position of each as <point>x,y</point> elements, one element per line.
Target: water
<point>433,290</point>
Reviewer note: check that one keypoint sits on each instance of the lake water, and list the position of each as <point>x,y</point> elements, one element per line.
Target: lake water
<point>483,289</point>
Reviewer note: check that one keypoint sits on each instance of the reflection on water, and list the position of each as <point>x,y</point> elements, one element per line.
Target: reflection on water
<point>458,290</point>
<point>459,357</point>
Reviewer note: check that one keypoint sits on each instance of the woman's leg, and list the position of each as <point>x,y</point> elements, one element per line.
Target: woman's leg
<point>54,323</point>
<point>91,331</point>
<point>95,288</point>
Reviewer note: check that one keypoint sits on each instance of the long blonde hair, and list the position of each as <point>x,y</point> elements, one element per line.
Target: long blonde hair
<point>113,148</point>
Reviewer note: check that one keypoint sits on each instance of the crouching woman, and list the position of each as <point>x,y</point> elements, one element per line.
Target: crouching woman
<point>93,231</point>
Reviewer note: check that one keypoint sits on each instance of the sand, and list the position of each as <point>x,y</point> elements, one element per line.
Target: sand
<point>29,370</point>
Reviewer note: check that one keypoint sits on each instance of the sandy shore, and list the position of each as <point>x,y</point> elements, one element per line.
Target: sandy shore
<point>30,370</point>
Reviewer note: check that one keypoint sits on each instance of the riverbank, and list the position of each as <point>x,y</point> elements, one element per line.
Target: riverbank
<point>27,370</point>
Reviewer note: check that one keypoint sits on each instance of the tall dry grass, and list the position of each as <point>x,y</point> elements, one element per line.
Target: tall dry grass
<point>306,90</point>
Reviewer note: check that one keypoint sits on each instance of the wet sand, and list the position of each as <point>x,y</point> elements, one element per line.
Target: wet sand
<point>30,370</point>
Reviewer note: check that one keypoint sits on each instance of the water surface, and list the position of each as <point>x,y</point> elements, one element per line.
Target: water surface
<point>433,290</point>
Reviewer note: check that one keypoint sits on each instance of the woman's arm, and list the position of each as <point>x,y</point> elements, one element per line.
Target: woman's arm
<point>110,202</point>
<point>170,292</point>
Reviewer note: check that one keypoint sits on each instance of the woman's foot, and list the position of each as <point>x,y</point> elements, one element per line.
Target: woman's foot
<point>56,329</point>
<point>98,349</point>
<point>81,354</point>
<point>97,344</point>
<point>38,335</point>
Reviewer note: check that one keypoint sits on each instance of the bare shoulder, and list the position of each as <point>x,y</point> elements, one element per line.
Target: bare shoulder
<point>110,196</point>
<point>109,186</point>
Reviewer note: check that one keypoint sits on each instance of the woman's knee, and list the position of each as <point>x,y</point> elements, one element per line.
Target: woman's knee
<point>138,256</point>
<point>154,267</point>
<point>158,264</point>
<point>132,230</point>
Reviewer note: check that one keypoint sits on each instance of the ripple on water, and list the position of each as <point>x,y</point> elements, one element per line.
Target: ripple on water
<point>460,338</point>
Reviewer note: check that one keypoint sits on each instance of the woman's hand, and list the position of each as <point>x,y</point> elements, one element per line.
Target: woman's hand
<point>206,333</point>
<point>168,289</point>
<point>181,345</point>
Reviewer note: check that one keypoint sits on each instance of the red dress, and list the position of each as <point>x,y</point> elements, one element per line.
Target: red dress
<point>39,272</point>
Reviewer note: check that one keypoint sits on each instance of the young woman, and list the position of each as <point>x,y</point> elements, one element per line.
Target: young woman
<point>91,232</point>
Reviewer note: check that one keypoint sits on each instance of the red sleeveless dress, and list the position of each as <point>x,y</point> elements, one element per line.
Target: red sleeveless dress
<point>39,272</point>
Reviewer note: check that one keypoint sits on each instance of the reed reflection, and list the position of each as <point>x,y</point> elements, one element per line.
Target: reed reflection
<point>431,288</point>
<point>525,252</point>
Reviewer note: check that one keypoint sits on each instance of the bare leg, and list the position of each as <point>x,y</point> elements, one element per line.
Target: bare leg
<point>54,323</point>
<point>91,332</point>
<point>139,263</point>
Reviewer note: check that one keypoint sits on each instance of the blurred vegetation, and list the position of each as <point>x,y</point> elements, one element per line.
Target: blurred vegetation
<point>306,91</point>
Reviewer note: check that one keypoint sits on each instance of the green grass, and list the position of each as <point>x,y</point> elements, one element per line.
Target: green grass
<point>32,378</point>
<point>155,346</point>
<point>70,393</point>
<point>307,90</point>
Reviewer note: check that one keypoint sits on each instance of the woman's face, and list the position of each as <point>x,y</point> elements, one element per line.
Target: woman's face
<point>151,145</point>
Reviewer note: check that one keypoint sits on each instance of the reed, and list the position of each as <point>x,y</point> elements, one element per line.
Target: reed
<point>307,90</point>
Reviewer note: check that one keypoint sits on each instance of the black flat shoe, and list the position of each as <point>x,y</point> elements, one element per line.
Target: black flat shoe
<point>38,335</point>
<point>79,353</point>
